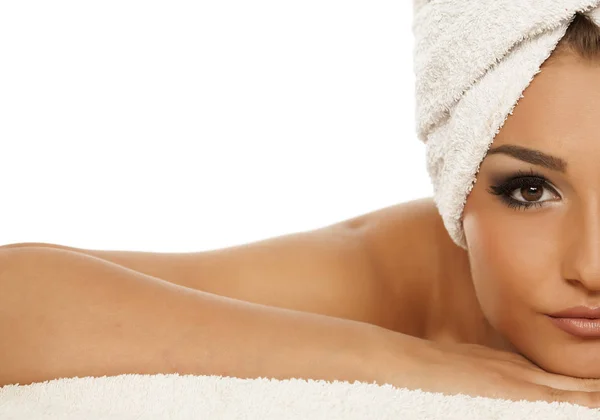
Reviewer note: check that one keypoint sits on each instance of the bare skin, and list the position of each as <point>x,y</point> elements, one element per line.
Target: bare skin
<point>72,314</point>
<point>392,268</point>
<point>395,268</point>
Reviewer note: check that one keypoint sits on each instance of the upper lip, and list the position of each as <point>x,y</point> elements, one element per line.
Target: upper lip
<point>578,312</point>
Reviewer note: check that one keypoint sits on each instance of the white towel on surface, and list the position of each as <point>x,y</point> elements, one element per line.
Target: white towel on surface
<point>175,396</point>
<point>473,59</point>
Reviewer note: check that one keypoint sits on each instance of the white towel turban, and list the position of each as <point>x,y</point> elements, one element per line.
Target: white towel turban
<point>473,59</point>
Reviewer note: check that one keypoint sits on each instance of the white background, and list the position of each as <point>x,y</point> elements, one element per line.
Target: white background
<point>176,126</point>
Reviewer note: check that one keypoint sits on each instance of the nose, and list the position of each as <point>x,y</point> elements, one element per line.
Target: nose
<point>584,248</point>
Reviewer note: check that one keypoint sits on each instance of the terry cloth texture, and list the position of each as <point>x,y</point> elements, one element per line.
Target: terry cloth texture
<point>214,397</point>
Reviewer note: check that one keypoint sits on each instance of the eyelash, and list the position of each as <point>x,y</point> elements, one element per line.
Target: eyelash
<point>520,180</point>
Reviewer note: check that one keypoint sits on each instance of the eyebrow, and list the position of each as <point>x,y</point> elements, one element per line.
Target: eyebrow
<point>531,156</point>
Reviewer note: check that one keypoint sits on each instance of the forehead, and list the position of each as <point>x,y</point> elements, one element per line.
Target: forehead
<point>559,112</point>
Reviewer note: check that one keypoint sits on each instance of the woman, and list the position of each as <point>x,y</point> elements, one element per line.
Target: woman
<point>386,297</point>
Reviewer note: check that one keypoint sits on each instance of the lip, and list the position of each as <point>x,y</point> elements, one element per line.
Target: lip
<point>579,321</point>
<point>578,312</point>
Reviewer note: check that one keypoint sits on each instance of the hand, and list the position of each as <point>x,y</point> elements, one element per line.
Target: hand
<point>475,370</point>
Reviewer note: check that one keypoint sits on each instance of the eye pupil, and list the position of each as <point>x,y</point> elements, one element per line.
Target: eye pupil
<point>531,193</point>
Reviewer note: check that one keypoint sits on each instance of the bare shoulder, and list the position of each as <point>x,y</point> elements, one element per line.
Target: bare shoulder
<point>413,254</point>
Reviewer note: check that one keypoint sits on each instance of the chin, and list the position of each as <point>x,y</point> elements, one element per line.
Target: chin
<point>575,358</point>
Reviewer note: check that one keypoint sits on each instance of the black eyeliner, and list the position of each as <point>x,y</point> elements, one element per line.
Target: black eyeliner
<point>520,179</point>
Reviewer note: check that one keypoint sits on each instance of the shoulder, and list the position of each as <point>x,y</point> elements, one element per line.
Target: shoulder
<point>415,258</point>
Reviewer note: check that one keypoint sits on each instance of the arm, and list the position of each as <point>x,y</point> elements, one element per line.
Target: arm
<point>376,268</point>
<point>66,314</point>
<point>326,271</point>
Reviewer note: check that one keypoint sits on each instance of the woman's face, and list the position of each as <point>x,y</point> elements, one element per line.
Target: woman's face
<point>534,242</point>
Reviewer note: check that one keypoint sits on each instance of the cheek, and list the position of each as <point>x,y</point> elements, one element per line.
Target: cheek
<point>506,265</point>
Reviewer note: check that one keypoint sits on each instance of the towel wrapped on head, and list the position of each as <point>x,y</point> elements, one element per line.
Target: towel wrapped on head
<point>473,59</point>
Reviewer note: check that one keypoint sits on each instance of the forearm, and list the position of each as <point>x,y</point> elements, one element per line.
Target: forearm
<point>102,320</point>
<point>249,340</point>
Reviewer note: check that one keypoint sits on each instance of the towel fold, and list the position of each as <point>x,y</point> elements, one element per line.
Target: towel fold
<point>473,59</point>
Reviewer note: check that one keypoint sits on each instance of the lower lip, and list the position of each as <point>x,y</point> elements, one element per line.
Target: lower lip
<point>579,327</point>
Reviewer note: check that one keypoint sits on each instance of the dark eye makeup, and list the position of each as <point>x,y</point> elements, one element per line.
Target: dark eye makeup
<point>521,179</point>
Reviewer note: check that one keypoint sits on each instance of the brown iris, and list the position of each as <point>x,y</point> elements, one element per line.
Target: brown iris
<point>532,193</point>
